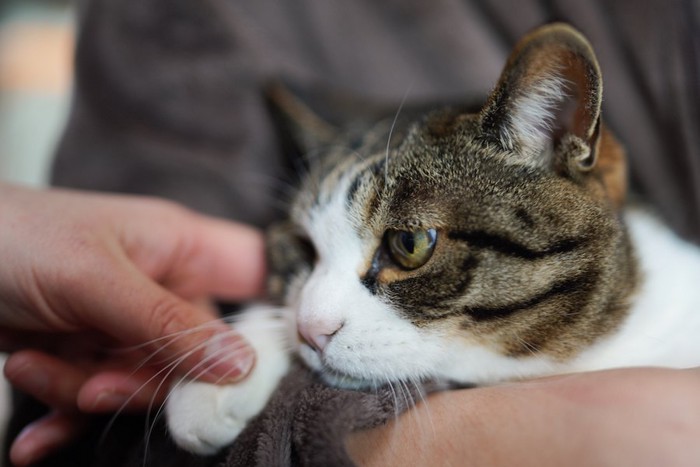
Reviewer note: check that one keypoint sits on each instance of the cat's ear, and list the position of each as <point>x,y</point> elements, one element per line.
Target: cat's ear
<point>299,127</point>
<point>546,105</point>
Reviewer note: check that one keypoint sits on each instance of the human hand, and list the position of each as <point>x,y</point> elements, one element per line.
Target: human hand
<point>84,276</point>
<point>640,417</point>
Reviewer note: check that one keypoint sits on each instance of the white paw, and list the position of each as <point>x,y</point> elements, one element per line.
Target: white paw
<point>202,418</point>
<point>199,419</point>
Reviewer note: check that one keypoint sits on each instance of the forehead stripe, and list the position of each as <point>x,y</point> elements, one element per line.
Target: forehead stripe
<point>354,186</point>
<point>375,169</point>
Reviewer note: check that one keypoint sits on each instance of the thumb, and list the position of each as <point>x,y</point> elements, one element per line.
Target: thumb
<point>212,257</point>
<point>134,309</point>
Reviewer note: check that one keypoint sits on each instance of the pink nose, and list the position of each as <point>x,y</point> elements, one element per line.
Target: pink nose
<point>319,333</point>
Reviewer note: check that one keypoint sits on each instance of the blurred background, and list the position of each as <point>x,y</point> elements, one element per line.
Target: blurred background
<point>36,60</point>
<point>36,54</point>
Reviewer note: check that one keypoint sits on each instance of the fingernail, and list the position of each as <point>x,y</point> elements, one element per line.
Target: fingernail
<point>23,448</point>
<point>32,444</point>
<point>228,358</point>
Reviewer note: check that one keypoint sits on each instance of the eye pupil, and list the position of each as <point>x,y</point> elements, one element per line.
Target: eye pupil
<point>408,240</point>
<point>411,249</point>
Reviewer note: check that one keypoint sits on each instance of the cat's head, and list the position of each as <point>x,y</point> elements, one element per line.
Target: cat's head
<point>464,246</point>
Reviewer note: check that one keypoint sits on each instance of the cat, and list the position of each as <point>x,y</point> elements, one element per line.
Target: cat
<point>471,248</point>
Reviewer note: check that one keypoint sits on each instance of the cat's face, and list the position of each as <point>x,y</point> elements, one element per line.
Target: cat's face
<point>478,246</point>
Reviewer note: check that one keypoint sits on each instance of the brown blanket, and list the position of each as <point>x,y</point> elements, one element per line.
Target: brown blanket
<point>168,102</point>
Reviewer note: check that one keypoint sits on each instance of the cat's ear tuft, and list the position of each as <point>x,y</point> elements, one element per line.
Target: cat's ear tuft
<point>546,105</point>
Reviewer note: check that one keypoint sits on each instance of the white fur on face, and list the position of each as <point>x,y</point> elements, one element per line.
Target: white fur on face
<point>374,343</point>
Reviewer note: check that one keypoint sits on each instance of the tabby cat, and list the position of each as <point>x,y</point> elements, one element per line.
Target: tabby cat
<point>471,248</point>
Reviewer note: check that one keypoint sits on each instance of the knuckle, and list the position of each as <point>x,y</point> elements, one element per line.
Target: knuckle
<point>166,317</point>
<point>70,277</point>
<point>170,335</point>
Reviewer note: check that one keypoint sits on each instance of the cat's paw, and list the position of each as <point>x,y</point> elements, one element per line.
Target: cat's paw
<point>202,418</point>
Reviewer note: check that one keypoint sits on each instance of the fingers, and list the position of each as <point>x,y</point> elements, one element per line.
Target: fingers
<point>191,254</point>
<point>46,378</point>
<point>114,391</point>
<point>45,436</point>
<point>223,259</point>
<point>61,385</point>
<point>135,310</point>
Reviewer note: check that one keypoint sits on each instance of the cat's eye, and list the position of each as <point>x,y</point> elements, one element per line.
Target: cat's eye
<point>411,249</point>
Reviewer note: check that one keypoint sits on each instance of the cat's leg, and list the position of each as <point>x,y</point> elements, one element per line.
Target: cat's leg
<point>203,418</point>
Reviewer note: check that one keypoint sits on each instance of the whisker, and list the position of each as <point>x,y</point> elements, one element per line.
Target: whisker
<point>397,419</point>
<point>211,360</point>
<point>179,357</point>
<point>408,397</point>
<point>412,410</point>
<point>551,368</point>
<point>424,406</point>
<point>168,369</point>
<point>170,337</point>
<point>163,373</point>
<point>391,132</point>
<point>202,367</point>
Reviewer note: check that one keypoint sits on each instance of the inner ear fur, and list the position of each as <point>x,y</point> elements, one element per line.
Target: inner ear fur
<point>548,98</point>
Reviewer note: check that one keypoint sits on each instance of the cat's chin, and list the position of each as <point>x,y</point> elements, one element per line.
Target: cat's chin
<point>344,381</point>
<point>334,377</point>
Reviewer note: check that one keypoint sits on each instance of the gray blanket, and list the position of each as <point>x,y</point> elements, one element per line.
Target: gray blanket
<point>168,102</point>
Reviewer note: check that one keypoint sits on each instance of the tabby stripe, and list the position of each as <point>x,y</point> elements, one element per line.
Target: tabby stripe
<point>481,239</point>
<point>376,168</point>
<point>352,191</point>
<point>579,283</point>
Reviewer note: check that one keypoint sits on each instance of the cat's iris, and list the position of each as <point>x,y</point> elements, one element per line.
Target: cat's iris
<point>411,249</point>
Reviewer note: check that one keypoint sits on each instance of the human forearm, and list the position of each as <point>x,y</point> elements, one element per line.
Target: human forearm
<point>622,417</point>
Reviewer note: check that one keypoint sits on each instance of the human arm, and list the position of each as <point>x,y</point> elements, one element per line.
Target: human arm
<point>640,417</point>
